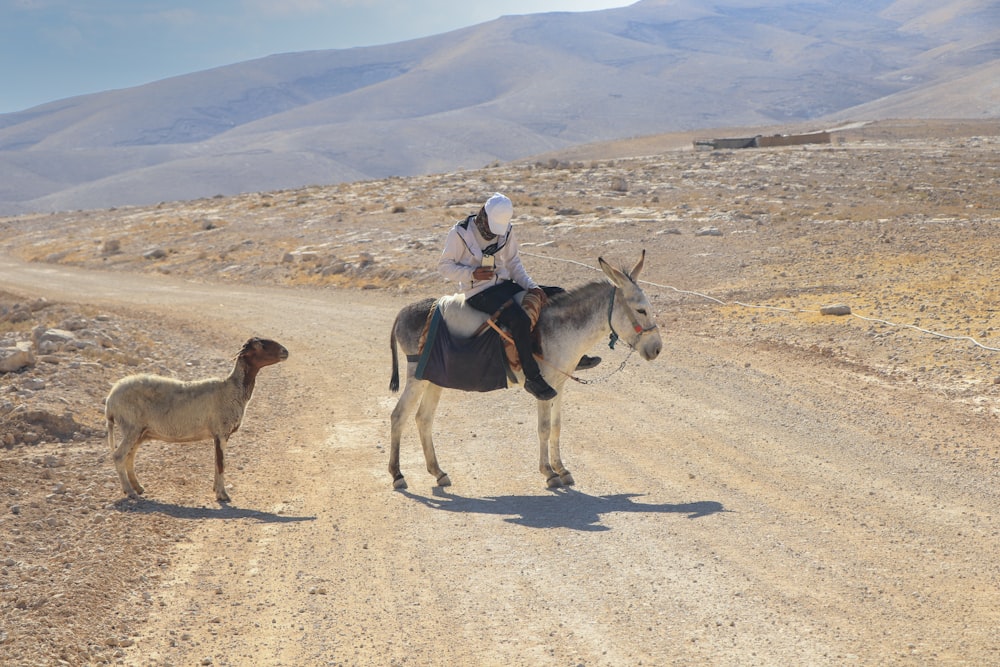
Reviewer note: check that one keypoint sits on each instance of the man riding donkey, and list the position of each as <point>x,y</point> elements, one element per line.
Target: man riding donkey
<point>481,255</point>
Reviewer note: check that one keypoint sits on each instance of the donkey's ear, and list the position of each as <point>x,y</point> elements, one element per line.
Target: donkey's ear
<point>616,276</point>
<point>638,266</point>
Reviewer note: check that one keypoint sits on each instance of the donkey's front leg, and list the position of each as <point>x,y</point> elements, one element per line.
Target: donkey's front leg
<point>544,431</point>
<point>556,429</point>
<point>425,422</point>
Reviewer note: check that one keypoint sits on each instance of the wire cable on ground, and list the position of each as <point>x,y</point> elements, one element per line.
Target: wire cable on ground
<point>874,320</point>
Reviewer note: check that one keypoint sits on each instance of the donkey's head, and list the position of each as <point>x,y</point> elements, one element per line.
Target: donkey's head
<point>631,311</point>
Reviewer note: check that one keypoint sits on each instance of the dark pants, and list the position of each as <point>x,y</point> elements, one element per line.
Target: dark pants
<point>513,318</point>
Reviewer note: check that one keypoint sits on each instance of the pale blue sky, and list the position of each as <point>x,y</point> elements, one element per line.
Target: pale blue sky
<point>52,49</point>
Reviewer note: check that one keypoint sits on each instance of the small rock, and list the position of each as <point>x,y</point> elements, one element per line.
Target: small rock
<point>17,357</point>
<point>60,336</point>
<point>836,309</point>
<point>708,231</point>
<point>73,324</point>
<point>335,269</point>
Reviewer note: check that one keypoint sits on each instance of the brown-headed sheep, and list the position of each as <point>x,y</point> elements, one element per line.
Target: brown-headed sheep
<point>151,407</point>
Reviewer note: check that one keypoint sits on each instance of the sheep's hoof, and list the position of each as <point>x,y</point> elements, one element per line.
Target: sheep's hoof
<point>554,482</point>
<point>566,478</point>
<point>222,497</point>
<point>399,483</point>
<point>444,480</point>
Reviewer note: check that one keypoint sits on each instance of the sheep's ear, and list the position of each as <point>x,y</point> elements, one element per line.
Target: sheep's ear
<point>249,345</point>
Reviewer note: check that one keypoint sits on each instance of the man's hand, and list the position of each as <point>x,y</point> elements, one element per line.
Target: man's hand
<point>483,273</point>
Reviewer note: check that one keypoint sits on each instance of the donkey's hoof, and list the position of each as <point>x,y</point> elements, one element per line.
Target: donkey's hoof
<point>566,478</point>
<point>399,483</point>
<point>554,482</point>
<point>444,480</point>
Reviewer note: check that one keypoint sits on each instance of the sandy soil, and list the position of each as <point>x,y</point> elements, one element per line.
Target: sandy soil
<point>779,487</point>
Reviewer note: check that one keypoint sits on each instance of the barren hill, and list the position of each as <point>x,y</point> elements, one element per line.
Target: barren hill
<point>503,90</point>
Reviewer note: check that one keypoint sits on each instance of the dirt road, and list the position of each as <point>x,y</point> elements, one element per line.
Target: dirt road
<point>734,505</point>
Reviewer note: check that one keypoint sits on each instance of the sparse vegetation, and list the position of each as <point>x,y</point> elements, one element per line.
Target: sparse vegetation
<point>900,223</point>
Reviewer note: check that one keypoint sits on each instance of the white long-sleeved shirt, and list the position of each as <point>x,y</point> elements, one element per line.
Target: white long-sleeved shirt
<point>463,254</point>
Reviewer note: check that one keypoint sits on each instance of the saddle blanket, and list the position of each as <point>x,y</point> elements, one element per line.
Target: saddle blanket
<point>456,361</point>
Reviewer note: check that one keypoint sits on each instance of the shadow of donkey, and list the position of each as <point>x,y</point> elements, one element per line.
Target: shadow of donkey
<point>567,508</point>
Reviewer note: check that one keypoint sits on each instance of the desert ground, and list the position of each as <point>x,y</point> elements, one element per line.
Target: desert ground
<point>780,487</point>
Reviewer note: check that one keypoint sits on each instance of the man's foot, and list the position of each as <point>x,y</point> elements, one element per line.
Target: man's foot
<point>587,362</point>
<point>540,389</point>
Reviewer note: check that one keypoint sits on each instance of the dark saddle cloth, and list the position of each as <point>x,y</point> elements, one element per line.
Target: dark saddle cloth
<point>470,364</point>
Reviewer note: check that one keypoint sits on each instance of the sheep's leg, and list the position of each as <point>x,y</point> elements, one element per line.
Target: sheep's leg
<point>425,422</point>
<point>220,469</point>
<point>130,468</point>
<point>405,406</point>
<point>124,458</point>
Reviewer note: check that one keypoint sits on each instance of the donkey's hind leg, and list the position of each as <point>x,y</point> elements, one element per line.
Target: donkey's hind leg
<point>405,407</point>
<point>425,423</point>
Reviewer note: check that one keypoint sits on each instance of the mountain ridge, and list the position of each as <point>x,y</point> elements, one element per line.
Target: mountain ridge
<point>499,91</point>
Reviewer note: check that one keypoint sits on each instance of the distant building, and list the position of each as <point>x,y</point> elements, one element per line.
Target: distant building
<point>760,141</point>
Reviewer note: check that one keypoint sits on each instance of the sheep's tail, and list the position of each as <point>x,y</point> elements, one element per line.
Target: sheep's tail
<point>111,431</point>
<point>394,381</point>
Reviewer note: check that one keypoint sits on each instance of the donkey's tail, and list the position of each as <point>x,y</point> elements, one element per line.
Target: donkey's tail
<point>394,381</point>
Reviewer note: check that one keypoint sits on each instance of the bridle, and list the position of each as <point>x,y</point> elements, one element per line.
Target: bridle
<point>636,326</point>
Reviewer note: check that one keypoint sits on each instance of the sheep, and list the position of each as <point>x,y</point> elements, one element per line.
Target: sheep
<point>151,407</point>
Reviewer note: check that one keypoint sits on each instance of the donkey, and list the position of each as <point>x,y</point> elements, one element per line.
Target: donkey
<point>570,324</point>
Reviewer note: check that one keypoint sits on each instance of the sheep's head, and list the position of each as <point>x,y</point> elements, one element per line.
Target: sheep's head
<point>260,352</point>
